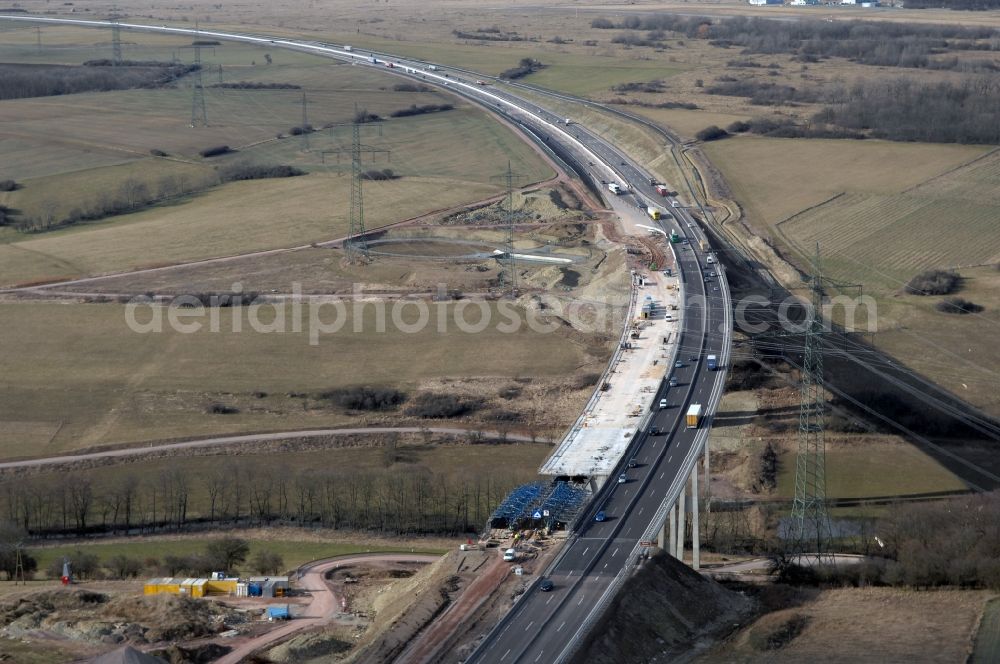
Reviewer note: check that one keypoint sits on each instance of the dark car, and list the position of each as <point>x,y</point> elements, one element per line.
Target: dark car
<point>600,516</point>
<point>634,462</point>
<point>654,431</point>
<point>546,585</point>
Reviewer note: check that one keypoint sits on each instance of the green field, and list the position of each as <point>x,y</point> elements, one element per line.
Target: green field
<point>76,376</point>
<point>776,178</point>
<point>883,241</point>
<point>872,468</point>
<point>232,219</point>
<point>294,552</point>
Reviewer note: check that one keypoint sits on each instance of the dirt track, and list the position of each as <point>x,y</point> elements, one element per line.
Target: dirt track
<point>250,438</point>
<point>325,603</point>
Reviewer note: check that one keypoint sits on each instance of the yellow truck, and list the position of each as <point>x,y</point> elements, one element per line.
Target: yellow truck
<point>694,416</point>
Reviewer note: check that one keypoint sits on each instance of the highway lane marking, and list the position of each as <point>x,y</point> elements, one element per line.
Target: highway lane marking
<point>586,550</point>
<point>640,510</point>
<point>582,597</point>
<point>539,655</point>
<point>561,626</point>
<point>615,553</point>
<point>505,655</point>
<point>628,531</point>
<point>529,625</point>
<point>606,565</point>
<point>547,602</point>
<point>670,459</point>
<point>661,475</point>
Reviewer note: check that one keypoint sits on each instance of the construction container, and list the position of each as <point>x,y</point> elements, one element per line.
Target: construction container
<point>193,587</point>
<point>279,612</point>
<point>164,585</point>
<point>241,590</point>
<point>221,586</point>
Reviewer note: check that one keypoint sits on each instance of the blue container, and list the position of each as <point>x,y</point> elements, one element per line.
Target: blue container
<point>278,612</point>
<point>254,590</point>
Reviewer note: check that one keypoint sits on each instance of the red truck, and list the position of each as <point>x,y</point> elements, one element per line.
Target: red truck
<point>661,190</point>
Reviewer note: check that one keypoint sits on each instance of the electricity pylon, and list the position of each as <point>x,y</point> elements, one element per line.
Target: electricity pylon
<point>198,113</point>
<point>810,530</point>
<point>508,276</point>
<point>810,519</point>
<point>116,39</point>
<point>355,246</point>
<point>305,124</point>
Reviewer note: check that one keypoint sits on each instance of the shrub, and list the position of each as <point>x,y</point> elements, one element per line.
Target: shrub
<point>363,116</point>
<point>409,87</point>
<point>420,110</point>
<point>256,85</point>
<point>510,392</point>
<point>934,282</point>
<point>6,215</point>
<point>711,133</point>
<point>9,185</point>
<point>157,153</point>
<point>249,171</point>
<point>384,174</point>
<point>215,151</point>
<point>602,24</point>
<point>267,562</point>
<point>738,127</point>
<point>123,567</point>
<point>586,380</point>
<point>431,405</point>
<point>222,409</point>
<point>366,398</point>
<point>957,305</point>
<point>525,67</point>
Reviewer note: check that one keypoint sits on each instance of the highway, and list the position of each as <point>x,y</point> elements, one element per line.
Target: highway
<point>598,557</point>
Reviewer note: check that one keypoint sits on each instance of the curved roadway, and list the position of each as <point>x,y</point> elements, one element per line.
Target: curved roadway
<point>548,627</point>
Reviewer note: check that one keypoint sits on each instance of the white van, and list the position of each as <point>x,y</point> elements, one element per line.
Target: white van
<point>710,260</point>
<point>509,556</point>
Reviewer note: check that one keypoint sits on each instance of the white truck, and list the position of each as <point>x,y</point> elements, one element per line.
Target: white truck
<point>614,188</point>
<point>432,68</point>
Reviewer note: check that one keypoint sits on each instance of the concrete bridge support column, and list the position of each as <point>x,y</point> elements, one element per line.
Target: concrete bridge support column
<point>708,485</point>
<point>672,516</point>
<point>695,544</point>
<point>681,512</point>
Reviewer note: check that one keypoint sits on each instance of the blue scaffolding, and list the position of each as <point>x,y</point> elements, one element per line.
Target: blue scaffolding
<point>552,504</point>
<point>517,503</point>
<point>563,503</point>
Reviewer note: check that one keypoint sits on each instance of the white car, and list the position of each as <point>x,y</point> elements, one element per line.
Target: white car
<point>663,404</point>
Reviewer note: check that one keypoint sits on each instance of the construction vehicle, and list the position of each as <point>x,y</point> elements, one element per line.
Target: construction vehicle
<point>348,48</point>
<point>654,213</point>
<point>694,416</point>
<point>432,68</point>
<point>661,190</point>
<point>713,362</point>
<point>614,188</point>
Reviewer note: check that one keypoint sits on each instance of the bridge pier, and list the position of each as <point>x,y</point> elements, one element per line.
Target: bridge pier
<point>708,485</point>
<point>695,543</point>
<point>681,513</point>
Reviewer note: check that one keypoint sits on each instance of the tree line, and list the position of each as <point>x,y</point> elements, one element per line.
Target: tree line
<point>878,43</point>
<point>232,492</point>
<point>898,109</point>
<point>134,194</point>
<point>19,81</point>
